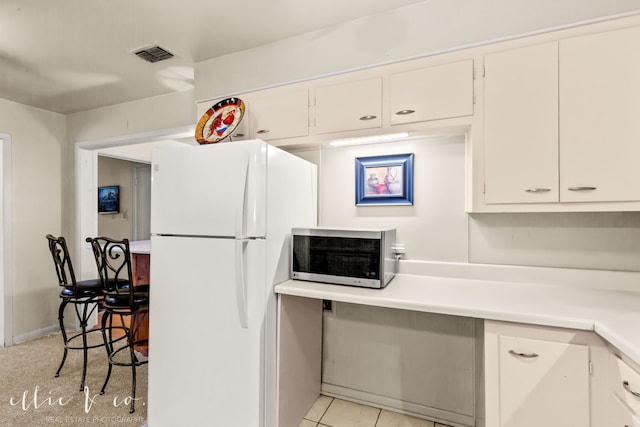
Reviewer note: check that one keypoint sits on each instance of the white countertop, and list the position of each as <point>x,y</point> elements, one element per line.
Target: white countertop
<point>614,314</point>
<point>140,247</point>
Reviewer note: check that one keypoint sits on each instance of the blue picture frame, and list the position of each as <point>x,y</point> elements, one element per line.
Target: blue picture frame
<point>384,180</point>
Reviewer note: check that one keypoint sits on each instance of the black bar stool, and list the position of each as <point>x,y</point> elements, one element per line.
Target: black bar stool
<point>85,297</point>
<point>121,299</point>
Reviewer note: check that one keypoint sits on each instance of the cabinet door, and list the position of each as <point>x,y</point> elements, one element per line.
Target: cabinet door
<point>521,125</point>
<point>619,415</point>
<point>543,383</point>
<point>599,116</point>
<point>280,113</point>
<point>624,382</point>
<point>432,93</point>
<point>349,106</point>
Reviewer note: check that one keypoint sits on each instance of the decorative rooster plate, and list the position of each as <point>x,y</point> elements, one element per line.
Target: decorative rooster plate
<point>219,121</point>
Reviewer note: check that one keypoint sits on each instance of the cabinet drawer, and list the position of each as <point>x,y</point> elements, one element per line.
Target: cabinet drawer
<point>619,415</point>
<point>624,382</point>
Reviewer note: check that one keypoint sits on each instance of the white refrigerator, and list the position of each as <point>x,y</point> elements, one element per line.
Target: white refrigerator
<point>221,218</point>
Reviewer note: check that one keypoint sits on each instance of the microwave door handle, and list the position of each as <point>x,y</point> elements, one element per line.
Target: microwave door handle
<point>241,283</point>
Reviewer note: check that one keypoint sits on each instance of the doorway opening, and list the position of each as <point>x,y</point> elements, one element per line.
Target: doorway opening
<point>132,147</point>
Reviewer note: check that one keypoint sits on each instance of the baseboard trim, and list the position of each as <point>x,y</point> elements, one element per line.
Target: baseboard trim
<point>35,334</point>
<point>395,405</point>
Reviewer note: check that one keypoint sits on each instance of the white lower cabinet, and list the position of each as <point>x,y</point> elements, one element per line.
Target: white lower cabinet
<point>624,393</point>
<point>620,415</point>
<point>540,376</point>
<point>543,383</point>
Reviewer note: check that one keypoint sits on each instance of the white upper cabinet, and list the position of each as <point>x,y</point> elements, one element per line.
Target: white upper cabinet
<point>279,113</point>
<point>348,106</point>
<point>561,123</point>
<point>600,117</point>
<point>433,93</point>
<point>521,125</point>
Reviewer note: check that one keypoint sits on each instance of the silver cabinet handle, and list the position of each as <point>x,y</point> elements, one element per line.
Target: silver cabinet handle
<point>261,131</point>
<point>368,117</point>
<point>537,190</point>
<point>627,387</point>
<point>525,355</point>
<point>405,112</point>
<point>582,188</point>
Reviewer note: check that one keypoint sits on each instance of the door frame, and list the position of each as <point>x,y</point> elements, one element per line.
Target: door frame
<point>86,187</point>
<point>140,197</point>
<point>6,245</point>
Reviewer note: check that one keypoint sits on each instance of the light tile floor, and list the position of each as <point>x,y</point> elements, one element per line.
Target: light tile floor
<point>333,412</point>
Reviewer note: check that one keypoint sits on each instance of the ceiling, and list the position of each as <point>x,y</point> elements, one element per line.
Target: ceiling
<point>74,55</point>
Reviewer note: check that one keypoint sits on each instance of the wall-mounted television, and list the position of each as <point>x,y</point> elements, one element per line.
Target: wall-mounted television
<point>109,199</point>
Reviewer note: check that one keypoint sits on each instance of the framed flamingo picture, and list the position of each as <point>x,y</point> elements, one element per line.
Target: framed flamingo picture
<point>384,180</point>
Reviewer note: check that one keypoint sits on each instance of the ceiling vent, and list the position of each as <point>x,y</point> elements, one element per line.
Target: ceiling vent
<point>154,54</point>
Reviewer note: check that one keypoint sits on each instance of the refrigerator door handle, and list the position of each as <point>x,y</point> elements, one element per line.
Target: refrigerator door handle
<point>241,283</point>
<point>241,208</point>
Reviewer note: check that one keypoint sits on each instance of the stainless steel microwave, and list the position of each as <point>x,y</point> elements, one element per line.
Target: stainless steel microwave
<point>344,257</point>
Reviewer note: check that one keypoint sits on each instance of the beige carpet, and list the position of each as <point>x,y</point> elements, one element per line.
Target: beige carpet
<point>31,396</point>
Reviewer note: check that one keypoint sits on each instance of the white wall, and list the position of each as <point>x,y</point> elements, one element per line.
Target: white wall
<point>150,114</point>
<point>38,145</point>
<point>434,228</point>
<point>437,229</point>
<point>590,240</point>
